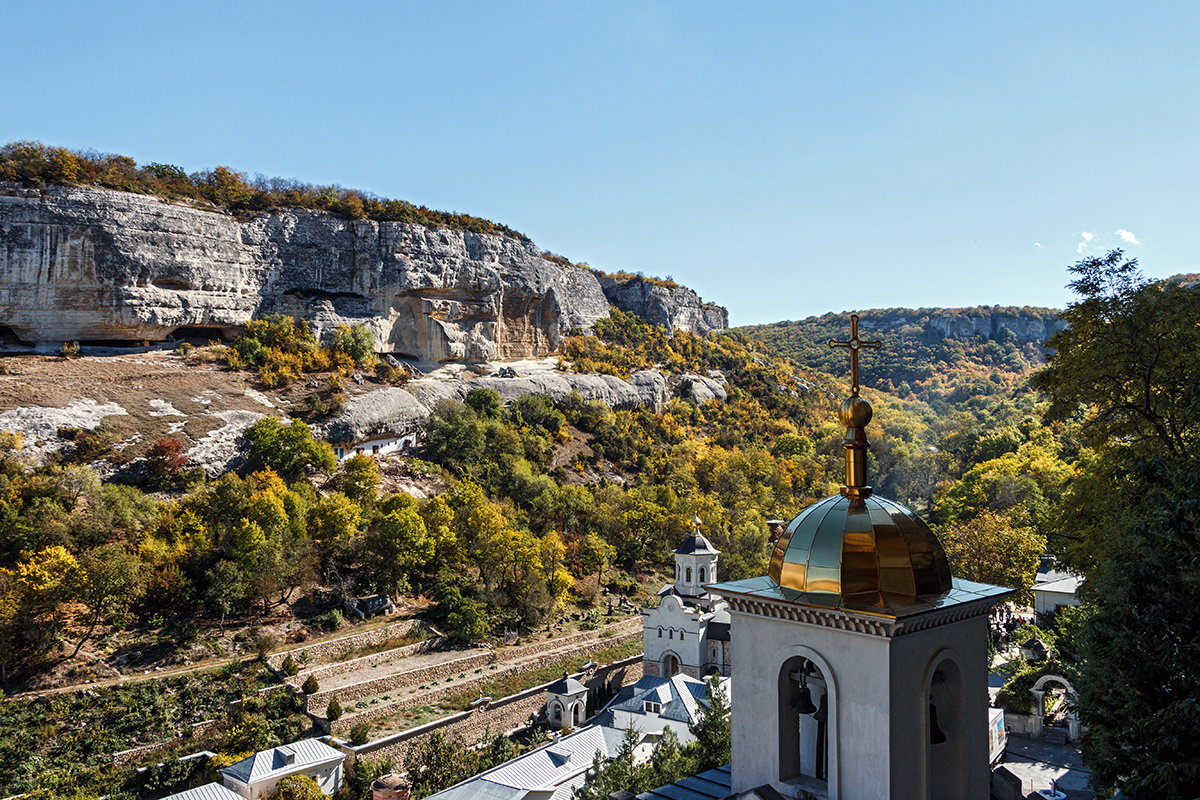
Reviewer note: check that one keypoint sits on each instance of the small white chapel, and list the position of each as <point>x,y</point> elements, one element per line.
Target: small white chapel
<point>688,632</point>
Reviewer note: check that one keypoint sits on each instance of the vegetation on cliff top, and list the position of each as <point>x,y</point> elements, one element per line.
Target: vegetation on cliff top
<point>916,358</point>
<point>34,164</point>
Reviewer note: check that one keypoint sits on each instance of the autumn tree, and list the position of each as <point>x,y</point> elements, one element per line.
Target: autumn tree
<point>108,584</point>
<point>991,549</point>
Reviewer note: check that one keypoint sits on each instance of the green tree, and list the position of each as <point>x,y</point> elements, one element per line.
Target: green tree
<point>297,787</point>
<point>486,403</point>
<point>357,342</point>
<point>359,478</point>
<point>400,545</point>
<point>1126,366</point>
<point>110,583</point>
<point>226,588</point>
<point>712,729</point>
<point>289,449</point>
<point>991,549</point>
<point>333,711</point>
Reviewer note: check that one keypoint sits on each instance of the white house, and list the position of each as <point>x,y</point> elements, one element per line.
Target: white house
<point>257,775</point>
<point>1055,590</point>
<point>661,703</point>
<point>376,423</point>
<point>688,631</point>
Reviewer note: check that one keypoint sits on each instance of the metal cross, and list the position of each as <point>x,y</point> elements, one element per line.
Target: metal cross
<point>854,344</point>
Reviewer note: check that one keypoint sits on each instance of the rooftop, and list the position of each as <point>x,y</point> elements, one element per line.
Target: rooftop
<point>283,760</point>
<point>894,607</point>
<point>711,785</point>
<point>209,791</point>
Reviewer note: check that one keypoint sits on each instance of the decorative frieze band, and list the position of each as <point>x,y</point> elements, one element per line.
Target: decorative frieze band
<point>885,627</point>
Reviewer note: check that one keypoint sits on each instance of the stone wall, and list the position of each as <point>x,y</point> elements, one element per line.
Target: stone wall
<point>332,649</point>
<point>325,671</point>
<point>499,716</point>
<point>536,657</point>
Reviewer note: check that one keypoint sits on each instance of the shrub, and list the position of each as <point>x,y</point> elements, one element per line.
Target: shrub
<point>357,342</point>
<point>360,733</point>
<point>69,349</point>
<point>333,711</point>
<point>289,666</point>
<point>263,643</point>
<point>165,462</point>
<point>311,686</point>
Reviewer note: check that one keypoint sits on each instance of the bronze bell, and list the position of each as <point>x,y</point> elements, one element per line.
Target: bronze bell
<point>935,733</point>
<point>803,703</point>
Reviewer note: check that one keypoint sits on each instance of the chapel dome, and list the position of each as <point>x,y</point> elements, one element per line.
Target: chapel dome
<point>867,549</point>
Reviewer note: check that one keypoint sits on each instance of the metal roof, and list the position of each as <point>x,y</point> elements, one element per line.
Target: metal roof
<point>679,697</point>
<point>696,545</point>
<point>561,763</point>
<point>209,791</point>
<point>1067,585</point>
<point>566,685</point>
<point>274,762</point>
<point>711,785</point>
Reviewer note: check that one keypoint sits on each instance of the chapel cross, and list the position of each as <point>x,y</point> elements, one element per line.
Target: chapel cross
<point>854,344</point>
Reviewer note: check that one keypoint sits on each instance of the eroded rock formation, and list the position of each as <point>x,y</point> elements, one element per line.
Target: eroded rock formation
<point>88,264</point>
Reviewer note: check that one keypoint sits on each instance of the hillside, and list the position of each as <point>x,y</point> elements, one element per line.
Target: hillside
<point>929,353</point>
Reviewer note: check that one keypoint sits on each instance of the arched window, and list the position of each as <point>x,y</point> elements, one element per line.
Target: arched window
<point>660,633</point>
<point>671,633</point>
<point>702,574</point>
<point>689,575</point>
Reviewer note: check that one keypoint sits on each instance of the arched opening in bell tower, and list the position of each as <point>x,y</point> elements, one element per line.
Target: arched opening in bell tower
<point>806,742</point>
<point>944,732</point>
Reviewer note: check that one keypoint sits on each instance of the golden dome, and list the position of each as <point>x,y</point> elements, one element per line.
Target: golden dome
<point>869,551</point>
<point>854,548</point>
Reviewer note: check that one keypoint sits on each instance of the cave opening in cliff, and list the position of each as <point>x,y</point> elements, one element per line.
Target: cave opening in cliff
<point>200,334</point>
<point>9,336</point>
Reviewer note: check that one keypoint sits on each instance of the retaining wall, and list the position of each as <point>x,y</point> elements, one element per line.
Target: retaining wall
<point>316,703</point>
<point>500,716</point>
<point>441,671</point>
<point>332,649</point>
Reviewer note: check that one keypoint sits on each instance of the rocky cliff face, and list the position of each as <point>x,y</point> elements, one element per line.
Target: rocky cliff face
<point>88,264</point>
<point>970,323</point>
<point>670,306</point>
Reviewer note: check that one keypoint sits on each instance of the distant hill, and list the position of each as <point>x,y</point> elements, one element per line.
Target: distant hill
<point>932,353</point>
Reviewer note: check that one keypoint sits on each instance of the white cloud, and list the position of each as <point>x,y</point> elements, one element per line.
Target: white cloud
<point>1087,237</point>
<point>1037,245</point>
<point>1127,236</point>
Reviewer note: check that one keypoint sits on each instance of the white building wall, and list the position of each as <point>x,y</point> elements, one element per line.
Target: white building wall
<point>878,734</point>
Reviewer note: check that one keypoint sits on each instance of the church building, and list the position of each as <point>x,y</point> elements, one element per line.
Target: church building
<point>689,630</point>
<point>863,664</point>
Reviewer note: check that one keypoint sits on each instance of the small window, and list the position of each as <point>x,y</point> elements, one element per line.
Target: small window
<point>671,633</point>
<point>660,633</point>
<point>652,708</point>
<point>702,574</point>
<point>689,575</point>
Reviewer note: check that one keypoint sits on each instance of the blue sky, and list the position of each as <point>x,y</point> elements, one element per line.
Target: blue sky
<point>783,159</point>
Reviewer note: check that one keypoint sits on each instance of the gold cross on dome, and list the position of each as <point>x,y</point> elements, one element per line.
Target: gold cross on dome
<point>855,344</point>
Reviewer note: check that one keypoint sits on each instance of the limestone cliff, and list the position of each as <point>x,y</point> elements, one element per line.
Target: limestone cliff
<point>89,264</point>
<point>664,304</point>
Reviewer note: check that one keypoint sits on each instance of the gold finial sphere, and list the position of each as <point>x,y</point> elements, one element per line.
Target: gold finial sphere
<point>856,412</point>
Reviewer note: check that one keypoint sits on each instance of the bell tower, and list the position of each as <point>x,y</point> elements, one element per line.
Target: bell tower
<point>695,564</point>
<point>869,671</point>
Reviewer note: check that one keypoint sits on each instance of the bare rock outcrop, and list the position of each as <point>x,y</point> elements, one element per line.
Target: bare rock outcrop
<point>395,412</point>
<point>95,265</point>
<point>672,306</point>
<point>88,264</point>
